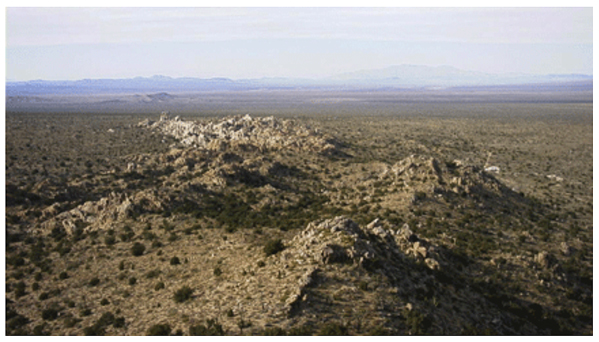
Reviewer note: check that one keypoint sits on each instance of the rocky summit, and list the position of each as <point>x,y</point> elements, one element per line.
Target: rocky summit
<point>242,132</point>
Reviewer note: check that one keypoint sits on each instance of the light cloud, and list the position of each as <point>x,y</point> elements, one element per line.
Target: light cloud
<point>75,43</point>
<point>59,26</point>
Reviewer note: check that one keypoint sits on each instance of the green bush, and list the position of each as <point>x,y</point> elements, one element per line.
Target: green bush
<point>49,314</point>
<point>153,274</point>
<point>212,328</point>
<point>110,240</point>
<point>138,249</point>
<point>119,322</point>
<point>417,322</point>
<point>39,330</point>
<point>159,330</point>
<point>276,331</point>
<point>333,329</point>
<point>363,286</point>
<point>303,330</point>
<point>183,294</point>
<point>106,319</point>
<point>20,289</point>
<point>94,330</point>
<point>95,281</point>
<point>273,247</point>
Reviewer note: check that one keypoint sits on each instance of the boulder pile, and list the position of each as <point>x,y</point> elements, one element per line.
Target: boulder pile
<point>266,133</point>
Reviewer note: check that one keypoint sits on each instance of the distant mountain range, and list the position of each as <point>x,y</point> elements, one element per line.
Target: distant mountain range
<point>447,76</point>
<point>395,77</point>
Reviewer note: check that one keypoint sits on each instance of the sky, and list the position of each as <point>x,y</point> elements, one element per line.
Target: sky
<point>79,43</point>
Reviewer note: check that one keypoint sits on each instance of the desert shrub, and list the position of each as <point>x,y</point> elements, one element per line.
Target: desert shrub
<point>159,330</point>
<point>94,330</point>
<point>95,281</point>
<point>63,249</point>
<point>15,321</point>
<point>173,237</point>
<point>153,274</point>
<point>18,275</point>
<point>243,324</point>
<point>49,314</point>
<point>167,226</point>
<point>122,265</point>
<point>217,271</point>
<point>109,240</point>
<point>417,322</point>
<point>138,249</point>
<point>183,294</point>
<point>132,281</point>
<point>43,296</point>
<point>104,301</point>
<point>39,330</point>
<point>363,286</point>
<point>35,287</point>
<point>378,330</point>
<point>212,328</point>
<point>303,330</point>
<point>15,261</point>
<point>63,275</point>
<point>119,322</point>
<point>20,289</point>
<point>230,313</point>
<point>276,331</point>
<point>333,329</point>
<point>106,319</point>
<point>85,312</point>
<point>159,286</point>
<point>149,236</point>
<point>70,321</point>
<point>261,263</point>
<point>38,276</point>
<point>175,261</point>
<point>156,244</point>
<point>273,247</point>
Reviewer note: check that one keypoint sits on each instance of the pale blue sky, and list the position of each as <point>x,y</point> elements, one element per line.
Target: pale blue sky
<point>76,43</point>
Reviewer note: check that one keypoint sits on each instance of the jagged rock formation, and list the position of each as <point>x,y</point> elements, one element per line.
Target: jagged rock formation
<point>245,132</point>
<point>423,173</point>
<point>102,214</point>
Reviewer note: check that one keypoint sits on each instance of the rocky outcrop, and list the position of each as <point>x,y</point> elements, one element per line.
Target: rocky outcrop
<point>342,241</point>
<point>101,214</point>
<point>244,132</point>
